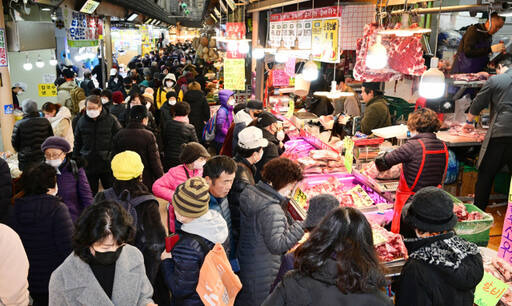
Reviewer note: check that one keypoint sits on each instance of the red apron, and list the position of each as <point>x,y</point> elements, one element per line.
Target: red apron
<point>404,192</point>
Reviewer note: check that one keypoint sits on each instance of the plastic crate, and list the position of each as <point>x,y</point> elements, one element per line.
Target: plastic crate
<point>476,231</point>
<point>399,109</point>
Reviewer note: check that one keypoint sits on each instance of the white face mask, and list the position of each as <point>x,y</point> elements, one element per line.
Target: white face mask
<point>94,113</point>
<point>55,163</point>
<point>198,164</point>
<point>168,84</point>
<point>280,135</point>
<point>172,101</point>
<point>104,100</point>
<point>148,105</point>
<point>55,191</point>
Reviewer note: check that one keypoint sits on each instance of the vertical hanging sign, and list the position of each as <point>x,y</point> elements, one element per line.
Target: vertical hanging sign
<point>234,73</point>
<point>274,37</point>
<point>3,49</point>
<point>82,30</point>
<point>505,250</point>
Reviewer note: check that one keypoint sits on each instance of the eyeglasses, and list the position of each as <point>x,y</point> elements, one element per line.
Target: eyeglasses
<point>53,156</point>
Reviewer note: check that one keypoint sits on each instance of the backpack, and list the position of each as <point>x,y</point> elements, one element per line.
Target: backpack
<point>217,285</point>
<point>209,129</point>
<point>70,97</point>
<point>129,204</point>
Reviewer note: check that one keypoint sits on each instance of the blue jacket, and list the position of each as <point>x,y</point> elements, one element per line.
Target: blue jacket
<point>45,228</point>
<point>225,212</point>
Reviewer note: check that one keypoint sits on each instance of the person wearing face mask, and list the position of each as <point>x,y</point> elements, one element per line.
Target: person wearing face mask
<point>73,187</point>
<point>135,137</point>
<point>266,229</point>
<point>442,268</point>
<point>139,99</point>
<point>103,269</point>
<point>193,157</point>
<point>127,87</point>
<point>115,82</point>
<point>228,141</point>
<point>199,108</point>
<point>250,150</point>
<point>106,99</point>
<point>44,225</point>
<point>224,117</point>
<point>424,160</point>
<point>28,135</point>
<point>17,88</point>
<point>167,86</point>
<point>60,119</point>
<point>177,131</point>
<point>94,133</point>
<point>244,117</point>
<point>118,108</point>
<point>167,110</point>
<point>269,126</point>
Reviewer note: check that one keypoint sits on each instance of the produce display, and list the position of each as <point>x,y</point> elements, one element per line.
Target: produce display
<point>389,246</point>
<point>463,215</point>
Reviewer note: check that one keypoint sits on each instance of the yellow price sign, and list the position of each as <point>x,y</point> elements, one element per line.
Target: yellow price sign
<point>300,198</point>
<point>234,73</point>
<point>47,90</point>
<point>291,108</point>
<point>489,291</point>
<point>348,144</point>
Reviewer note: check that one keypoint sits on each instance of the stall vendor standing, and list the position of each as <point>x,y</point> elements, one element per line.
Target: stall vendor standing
<point>424,160</point>
<point>476,45</point>
<point>376,114</point>
<point>496,150</point>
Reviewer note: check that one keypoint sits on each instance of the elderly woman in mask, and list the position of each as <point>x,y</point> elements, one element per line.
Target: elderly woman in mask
<point>103,269</point>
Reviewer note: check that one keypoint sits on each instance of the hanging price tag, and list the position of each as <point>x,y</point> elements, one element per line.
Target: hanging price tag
<point>300,198</point>
<point>291,108</point>
<point>348,144</point>
<point>489,291</point>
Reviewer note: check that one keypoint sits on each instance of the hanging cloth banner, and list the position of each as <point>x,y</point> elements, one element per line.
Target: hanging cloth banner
<point>82,30</point>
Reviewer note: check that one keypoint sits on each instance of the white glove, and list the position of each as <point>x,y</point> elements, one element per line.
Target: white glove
<point>498,48</point>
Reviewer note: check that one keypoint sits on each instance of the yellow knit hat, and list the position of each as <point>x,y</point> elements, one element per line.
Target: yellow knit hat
<point>191,198</point>
<point>127,165</point>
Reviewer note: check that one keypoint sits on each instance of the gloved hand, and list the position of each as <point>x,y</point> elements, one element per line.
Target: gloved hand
<point>498,47</point>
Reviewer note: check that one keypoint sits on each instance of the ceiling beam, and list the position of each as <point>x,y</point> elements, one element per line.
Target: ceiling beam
<point>270,4</point>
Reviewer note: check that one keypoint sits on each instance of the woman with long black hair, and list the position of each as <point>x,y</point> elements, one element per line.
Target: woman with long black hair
<point>337,265</point>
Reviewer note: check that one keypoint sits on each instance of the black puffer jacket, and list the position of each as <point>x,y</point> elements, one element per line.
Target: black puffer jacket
<point>118,110</point>
<point>410,155</point>
<point>115,86</point>
<point>45,228</point>
<point>5,191</point>
<point>243,178</point>
<point>320,289</point>
<point>135,137</point>
<point>166,114</point>
<point>199,110</point>
<point>28,135</point>
<point>176,134</point>
<point>93,138</point>
<point>265,235</point>
<point>270,152</point>
<point>441,270</point>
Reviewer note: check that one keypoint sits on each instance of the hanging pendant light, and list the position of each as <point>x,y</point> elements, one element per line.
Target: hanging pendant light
<point>243,47</point>
<point>310,71</point>
<point>28,65</point>
<point>258,52</point>
<point>377,57</point>
<point>53,61</point>
<point>432,84</point>
<point>39,63</point>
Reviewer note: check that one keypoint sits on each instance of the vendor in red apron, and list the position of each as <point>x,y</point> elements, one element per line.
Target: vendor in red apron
<point>424,160</point>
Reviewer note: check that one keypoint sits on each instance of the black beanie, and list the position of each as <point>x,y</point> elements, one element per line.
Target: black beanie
<point>138,112</point>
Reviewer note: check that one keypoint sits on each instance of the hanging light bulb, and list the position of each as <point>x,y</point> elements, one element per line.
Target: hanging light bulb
<point>232,46</point>
<point>310,71</point>
<point>39,63</point>
<point>28,65</point>
<point>258,52</point>
<point>53,61</point>
<point>243,47</point>
<point>281,56</point>
<point>377,57</point>
<point>432,84</point>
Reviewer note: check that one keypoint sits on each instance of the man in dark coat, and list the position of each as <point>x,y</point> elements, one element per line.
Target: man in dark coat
<point>442,269</point>
<point>376,114</point>
<point>199,110</point>
<point>28,135</point>
<point>268,125</point>
<point>87,84</point>
<point>93,141</point>
<point>115,83</point>
<point>496,150</point>
<point>5,191</point>
<point>135,137</point>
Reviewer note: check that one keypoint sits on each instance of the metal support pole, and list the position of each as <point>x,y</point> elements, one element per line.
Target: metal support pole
<point>108,45</point>
<point>6,120</point>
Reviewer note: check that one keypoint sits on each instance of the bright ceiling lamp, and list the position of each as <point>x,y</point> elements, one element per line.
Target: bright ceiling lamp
<point>39,62</point>
<point>377,57</point>
<point>28,65</point>
<point>243,47</point>
<point>405,30</point>
<point>334,93</point>
<point>432,84</point>
<point>258,52</point>
<point>281,56</point>
<point>232,46</point>
<point>132,17</point>
<point>310,71</point>
<point>53,61</point>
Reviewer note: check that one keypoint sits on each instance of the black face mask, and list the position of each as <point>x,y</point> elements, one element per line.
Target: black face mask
<point>106,258</point>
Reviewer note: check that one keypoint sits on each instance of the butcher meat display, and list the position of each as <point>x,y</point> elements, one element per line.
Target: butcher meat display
<point>463,215</point>
<point>324,155</point>
<point>371,170</point>
<point>502,270</point>
<point>389,246</point>
<point>313,161</point>
<point>457,130</point>
<point>469,77</point>
<point>405,56</point>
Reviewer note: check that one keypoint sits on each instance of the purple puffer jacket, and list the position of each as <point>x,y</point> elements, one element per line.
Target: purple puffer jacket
<point>75,192</point>
<point>224,116</point>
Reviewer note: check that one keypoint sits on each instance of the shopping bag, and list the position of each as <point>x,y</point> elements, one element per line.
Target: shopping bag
<point>218,285</point>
